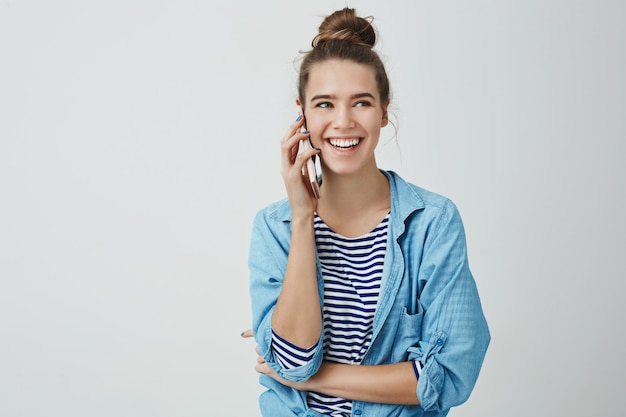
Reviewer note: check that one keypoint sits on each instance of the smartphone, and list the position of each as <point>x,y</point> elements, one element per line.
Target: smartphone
<point>313,167</point>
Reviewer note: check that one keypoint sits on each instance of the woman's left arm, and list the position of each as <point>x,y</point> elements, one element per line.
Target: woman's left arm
<point>385,384</point>
<point>455,334</point>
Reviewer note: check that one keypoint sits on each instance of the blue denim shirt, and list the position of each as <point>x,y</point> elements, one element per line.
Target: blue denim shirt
<point>428,308</point>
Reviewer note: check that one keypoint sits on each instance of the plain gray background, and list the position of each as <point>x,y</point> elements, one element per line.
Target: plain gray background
<point>138,139</point>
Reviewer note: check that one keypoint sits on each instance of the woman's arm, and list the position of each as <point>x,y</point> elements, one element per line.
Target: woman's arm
<point>386,384</point>
<point>297,316</point>
<point>455,335</point>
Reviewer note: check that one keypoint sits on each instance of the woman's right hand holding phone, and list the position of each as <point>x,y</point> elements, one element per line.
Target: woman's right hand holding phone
<point>297,316</point>
<point>294,170</point>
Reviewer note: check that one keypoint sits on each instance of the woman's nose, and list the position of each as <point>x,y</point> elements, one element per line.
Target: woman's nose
<point>343,118</point>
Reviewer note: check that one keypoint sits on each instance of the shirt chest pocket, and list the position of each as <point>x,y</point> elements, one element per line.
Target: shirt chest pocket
<point>408,332</point>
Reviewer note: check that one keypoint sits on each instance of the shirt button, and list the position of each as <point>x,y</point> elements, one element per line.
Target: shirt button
<point>440,341</point>
<point>357,412</point>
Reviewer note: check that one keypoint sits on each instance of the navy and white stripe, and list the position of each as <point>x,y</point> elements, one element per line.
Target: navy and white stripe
<point>289,355</point>
<point>352,270</point>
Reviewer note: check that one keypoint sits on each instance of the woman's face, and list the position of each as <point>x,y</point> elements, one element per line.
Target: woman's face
<point>344,115</point>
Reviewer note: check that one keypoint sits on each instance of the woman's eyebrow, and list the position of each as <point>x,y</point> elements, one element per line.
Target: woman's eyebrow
<point>330,96</point>
<point>361,95</point>
<point>322,97</point>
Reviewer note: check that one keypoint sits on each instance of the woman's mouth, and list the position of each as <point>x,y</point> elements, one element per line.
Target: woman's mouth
<point>344,144</point>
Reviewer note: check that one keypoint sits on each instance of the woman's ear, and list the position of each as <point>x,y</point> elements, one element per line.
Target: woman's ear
<point>385,120</point>
<point>299,105</point>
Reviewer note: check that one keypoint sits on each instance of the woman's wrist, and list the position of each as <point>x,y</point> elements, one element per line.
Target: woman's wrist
<point>305,220</point>
<point>316,382</point>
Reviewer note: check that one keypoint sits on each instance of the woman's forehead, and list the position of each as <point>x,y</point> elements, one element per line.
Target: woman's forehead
<point>341,77</point>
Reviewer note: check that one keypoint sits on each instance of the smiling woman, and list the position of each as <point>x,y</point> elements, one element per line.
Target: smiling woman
<point>345,123</point>
<point>362,297</point>
<point>139,138</point>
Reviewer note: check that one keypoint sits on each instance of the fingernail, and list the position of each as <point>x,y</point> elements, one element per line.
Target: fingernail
<point>299,118</point>
<point>318,149</point>
<point>305,132</point>
<point>242,333</point>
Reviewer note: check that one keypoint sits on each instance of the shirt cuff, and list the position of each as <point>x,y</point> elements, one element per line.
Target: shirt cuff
<point>290,356</point>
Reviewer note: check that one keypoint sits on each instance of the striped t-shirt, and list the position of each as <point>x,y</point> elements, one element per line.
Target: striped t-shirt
<point>352,270</point>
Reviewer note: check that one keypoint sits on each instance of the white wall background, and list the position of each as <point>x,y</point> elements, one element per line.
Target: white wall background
<point>138,138</point>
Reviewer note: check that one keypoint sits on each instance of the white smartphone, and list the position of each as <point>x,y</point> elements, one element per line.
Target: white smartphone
<point>313,168</point>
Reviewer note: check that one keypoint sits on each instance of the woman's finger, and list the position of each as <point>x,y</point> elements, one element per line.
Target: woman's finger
<point>290,148</point>
<point>264,369</point>
<point>293,128</point>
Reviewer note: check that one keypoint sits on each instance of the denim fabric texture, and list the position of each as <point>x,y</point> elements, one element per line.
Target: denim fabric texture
<point>428,309</point>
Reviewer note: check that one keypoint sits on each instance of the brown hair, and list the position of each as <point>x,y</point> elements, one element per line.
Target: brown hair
<point>344,35</point>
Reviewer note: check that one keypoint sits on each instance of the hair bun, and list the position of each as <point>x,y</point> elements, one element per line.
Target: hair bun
<point>345,25</point>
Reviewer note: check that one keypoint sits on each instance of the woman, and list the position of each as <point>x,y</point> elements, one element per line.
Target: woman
<point>363,302</point>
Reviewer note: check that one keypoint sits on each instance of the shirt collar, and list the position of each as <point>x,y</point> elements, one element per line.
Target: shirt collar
<point>404,200</point>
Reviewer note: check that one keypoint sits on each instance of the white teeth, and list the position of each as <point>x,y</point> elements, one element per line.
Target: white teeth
<point>345,143</point>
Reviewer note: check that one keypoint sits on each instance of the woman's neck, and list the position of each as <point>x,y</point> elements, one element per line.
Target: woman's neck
<point>354,204</point>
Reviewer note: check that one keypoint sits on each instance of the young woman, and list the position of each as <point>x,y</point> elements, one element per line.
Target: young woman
<point>363,302</point>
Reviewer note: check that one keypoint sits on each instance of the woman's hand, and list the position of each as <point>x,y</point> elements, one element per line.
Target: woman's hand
<point>293,170</point>
<point>263,368</point>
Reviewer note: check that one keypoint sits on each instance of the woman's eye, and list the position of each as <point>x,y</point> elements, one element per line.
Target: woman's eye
<point>362,104</point>
<point>323,105</point>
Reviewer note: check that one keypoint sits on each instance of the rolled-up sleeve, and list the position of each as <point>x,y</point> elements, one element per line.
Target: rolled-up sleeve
<point>455,335</point>
<point>267,260</point>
